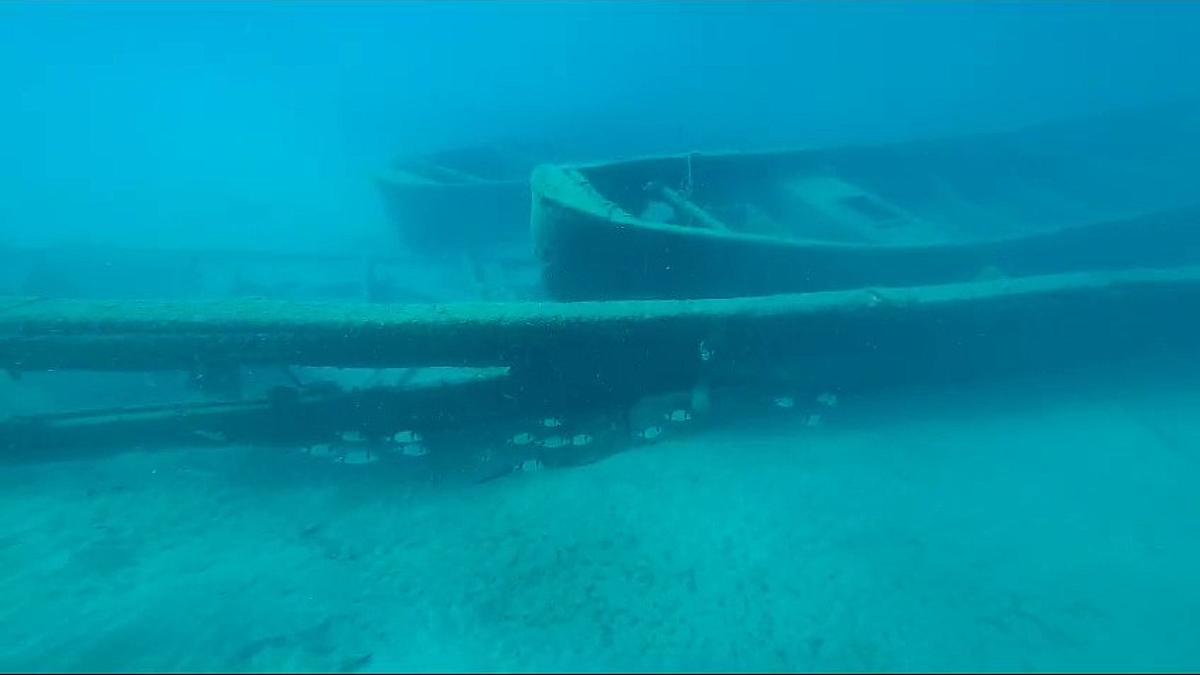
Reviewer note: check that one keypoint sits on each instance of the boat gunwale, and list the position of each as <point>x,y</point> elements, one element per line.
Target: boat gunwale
<point>591,202</point>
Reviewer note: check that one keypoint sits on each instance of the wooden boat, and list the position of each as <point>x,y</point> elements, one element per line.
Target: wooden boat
<point>1106,193</point>
<point>472,200</point>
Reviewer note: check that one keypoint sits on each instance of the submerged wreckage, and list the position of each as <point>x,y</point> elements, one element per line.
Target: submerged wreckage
<point>682,278</point>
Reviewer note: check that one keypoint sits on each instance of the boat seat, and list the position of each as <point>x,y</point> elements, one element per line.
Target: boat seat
<point>826,206</point>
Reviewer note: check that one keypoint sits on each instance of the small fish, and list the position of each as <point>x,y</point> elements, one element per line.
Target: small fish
<point>813,420</point>
<point>352,436</point>
<point>679,415</point>
<point>553,442</point>
<point>552,423</point>
<point>650,433</point>
<point>320,450</point>
<point>523,438</point>
<point>407,436</point>
<point>828,399</point>
<point>530,465</point>
<point>581,439</point>
<point>415,450</point>
<point>706,354</point>
<point>215,436</point>
<point>785,402</point>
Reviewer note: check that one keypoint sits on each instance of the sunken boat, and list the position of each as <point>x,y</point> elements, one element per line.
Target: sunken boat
<point>1111,192</point>
<point>470,201</point>
<point>914,263</point>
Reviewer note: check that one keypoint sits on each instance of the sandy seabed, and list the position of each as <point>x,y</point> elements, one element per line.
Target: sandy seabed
<point>1039,524</point>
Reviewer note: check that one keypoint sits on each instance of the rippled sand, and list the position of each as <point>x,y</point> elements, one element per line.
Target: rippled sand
<point>1049,525</point>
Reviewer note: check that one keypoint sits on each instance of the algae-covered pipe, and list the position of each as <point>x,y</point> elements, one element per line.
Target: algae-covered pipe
<point>628,340</point>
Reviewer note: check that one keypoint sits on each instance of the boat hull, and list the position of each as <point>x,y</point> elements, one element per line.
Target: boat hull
<point>452,219</point>
<point>1070,197</point>
<point>471,200</point>
<point>586,256</point>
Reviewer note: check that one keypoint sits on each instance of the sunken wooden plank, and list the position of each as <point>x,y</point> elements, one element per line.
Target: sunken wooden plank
<point>693,210</point>
<point>618,341</point>
<point>285,417</point>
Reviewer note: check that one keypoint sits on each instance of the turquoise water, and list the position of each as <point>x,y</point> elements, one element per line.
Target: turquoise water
<point>1036,520</point>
